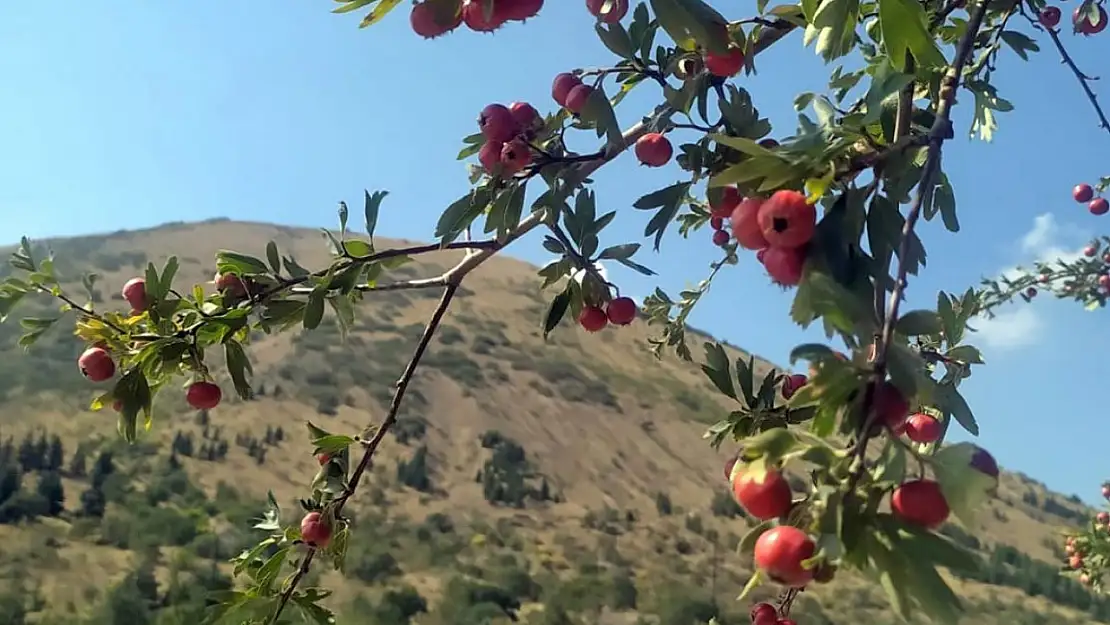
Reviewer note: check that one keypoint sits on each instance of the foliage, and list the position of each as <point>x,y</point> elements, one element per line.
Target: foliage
<point>868,145</point>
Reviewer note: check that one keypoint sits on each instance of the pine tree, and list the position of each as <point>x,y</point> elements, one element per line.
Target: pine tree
<point>51,489</point>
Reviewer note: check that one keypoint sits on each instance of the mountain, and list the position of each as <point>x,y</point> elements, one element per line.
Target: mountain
<point>569,475</point>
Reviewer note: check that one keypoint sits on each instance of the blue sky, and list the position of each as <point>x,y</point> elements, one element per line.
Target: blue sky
<point>129,114</point>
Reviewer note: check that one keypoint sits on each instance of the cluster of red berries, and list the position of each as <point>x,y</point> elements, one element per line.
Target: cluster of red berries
<point>778,229</point>
<point>507,130</point>
<point>620,311</point>
<point>427,21</point>
<point>1050,16</point>
<point>1085,194</point>
<point>767,614</point>
<point>97,365</point>
<point>1076,548</point>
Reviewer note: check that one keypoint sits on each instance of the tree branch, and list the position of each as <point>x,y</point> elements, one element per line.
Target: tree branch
<point>1084,79</point>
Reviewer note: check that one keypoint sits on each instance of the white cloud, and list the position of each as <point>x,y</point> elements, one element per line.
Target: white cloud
<point>1022,325</point>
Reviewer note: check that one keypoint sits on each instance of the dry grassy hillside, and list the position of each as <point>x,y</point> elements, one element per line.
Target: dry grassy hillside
<point>612,436</point>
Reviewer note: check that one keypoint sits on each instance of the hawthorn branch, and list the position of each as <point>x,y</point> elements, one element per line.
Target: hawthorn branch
<point>941,131</point>
<point>1083,78</point>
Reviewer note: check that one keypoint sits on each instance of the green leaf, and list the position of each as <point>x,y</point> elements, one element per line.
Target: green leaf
<point>241,264</point>
<point>965,488</point>
<point>555,312</point>
<point>314,310</point>
<point>373,202</point>
<point>273,257</point>
<point>954,405</point>
<point>637,267</point>
<point>239,367</point>
<point>461,213</point>
<point>813,352</point>
<point>918,323</point>
<point>599,114</point>
<point>967,354</point>
<point>619,252</point>
<point>1021,44</point>
<point>833,28</point>
<point>747,543</point>
<point>332,443</point>
<point>352,5</point>
<point>133,393</point>
<point>717,368</point>
<point>616,38</point>
<point>904,26</point>
<point>377,13</point>
<point>667,201</point>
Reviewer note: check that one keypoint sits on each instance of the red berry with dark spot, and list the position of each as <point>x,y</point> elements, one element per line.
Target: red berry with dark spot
<point>1098,206</point>
<point>490,156</point>
<point>1031,292</point>
<point>1050,17</point>
<point>787,219</point>
<point>474,14</point>
<point>720,238</point>
<point>654,149</point>
<point>725,203</point>
<point>562,86</point>
<point>203,395</point>
<point>760,255</point>
<point>780,552</point>
<point>1103,518</point>
<point>315,530</point>
<point>785,265</point>
<point>592,319</point>
<point>621,311</point>
<point>496,123</point>
<point>515,156</point>
<point>1082,21</point>
<point>427,23</point>
<point>617,10</point>
<point>745,224</point>
<point>1075,562</point>
<point>231,284</point>
<point>764,614</point>
<point>725,65</point>
<point>920,502</point>
<point>792,383</point>
<point>134,292</point>
<point>520,10</point>
<point>527,118</point>
<point>769,498</point>
<point>578,98</point>
<point>96,364</point>
<point>923,428</point>
<point>1082,193</point>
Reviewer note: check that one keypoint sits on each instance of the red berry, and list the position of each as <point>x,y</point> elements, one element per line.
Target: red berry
<point>96,364</point>
<point>720,238</point>
<point>745,224</point>
<point>891,407</point>
<point>1098,206</point>
<point>1103,518</point>
<point>726,202</point>
<point>786,219</point>
<point>562,86</point>
<point>1049,17</point>
<point>923,428</point>
<point>760,255</point>
<point>525,116</point>
<point>496,122</point>
<point>1106,492</point>
<point>716,223</point>
<point>617,10</point>
<point>654,149</point>
<point>134,291</point>
<point>1075,562</point>
<point>474,14</point>
<point>515,156</point>
<point>231,284</point>
<point>203,395</point>
<point>1031,292</point>
<point>315,530</point>
<point>323,459</point>
<point>621,311</point>
<point>1104,282</point>
<point>920,502</point>
<point>117,405</point>
<point>785,265</point>
<point>1082,193</point>
<point>764,614</point>
<point>1083,23</point>
<point>520,10</point>
<point>766,499</point>
<point>427,23</point>
<point>578,98</point>
<point>769,144</point>
<point>792,383</point>
<point>592,319</point>
<point>780,552</point>
<point>1090,251</point>
<point>490,156</point>
<point>725,65</point>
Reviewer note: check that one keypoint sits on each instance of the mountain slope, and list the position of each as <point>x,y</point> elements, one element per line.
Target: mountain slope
<point>614,482</point>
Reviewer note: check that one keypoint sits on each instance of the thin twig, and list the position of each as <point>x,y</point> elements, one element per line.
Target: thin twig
<point>1084,79</point>
<point>88,312</point>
